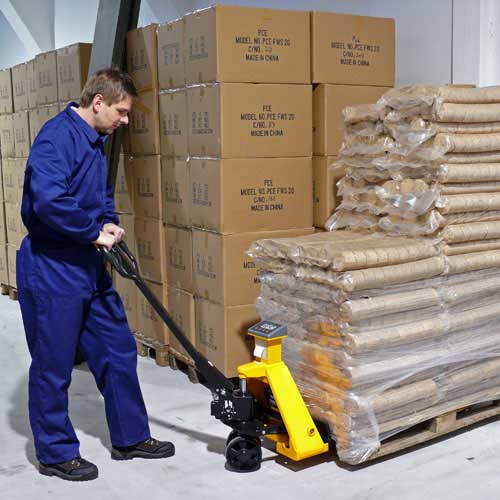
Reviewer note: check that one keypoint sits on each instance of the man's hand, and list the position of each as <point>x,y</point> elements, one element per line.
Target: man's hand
<point>116,231</point>
<point>105,240</point>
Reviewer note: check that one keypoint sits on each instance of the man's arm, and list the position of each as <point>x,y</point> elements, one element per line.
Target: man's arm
<point>51,200</point>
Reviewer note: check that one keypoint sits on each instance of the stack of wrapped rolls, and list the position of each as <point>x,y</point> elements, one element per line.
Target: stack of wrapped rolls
<point>384,331</point>
<point>424,161</point>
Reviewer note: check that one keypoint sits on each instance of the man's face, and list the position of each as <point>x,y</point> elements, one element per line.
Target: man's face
<point>109,117</point>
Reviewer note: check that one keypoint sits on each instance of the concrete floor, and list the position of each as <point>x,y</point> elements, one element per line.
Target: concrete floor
<point>460,467</point>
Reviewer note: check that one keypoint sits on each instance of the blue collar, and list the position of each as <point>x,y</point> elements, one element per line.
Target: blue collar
<point>93,136</point>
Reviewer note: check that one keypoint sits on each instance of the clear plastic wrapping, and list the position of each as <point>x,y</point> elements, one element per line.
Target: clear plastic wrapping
<point>363,113</point>
<point>342,251</point>
<point>421,174</point>
<point>370,365</point>
<point>398,321</point>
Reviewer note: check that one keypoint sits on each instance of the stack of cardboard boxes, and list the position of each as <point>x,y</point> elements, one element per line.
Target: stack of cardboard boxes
<point>352,63</point>
<point>6,152</point>
<point>124,206</point>
<point>30,94</point>
<point>15,168</point>
<point>14,146</point>
<point>234,138</point>
<point>249,103</point>
<point>175,178</point>
<point>223,123</point>
<point>142,170</point>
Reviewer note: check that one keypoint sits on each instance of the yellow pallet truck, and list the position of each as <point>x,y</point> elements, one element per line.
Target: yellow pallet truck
<point>262,402</point>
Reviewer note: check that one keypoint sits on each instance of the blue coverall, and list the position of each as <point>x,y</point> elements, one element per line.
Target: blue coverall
<point>66,296</point>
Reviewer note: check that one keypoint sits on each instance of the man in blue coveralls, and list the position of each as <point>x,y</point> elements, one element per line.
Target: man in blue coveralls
<point>66,296</point>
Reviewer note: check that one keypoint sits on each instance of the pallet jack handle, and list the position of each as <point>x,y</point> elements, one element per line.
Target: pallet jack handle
<point>124,262</point>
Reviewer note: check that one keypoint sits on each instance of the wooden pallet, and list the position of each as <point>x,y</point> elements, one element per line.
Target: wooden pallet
<point>166,356</point>
<point>8,290</point>
<point>185,364</point>
<point>437,427</point>
<point>147,347</point>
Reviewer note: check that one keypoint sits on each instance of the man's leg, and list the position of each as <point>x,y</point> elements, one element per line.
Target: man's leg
<point>111,353</point>
<point>53,294</point>
<point>52,326</point>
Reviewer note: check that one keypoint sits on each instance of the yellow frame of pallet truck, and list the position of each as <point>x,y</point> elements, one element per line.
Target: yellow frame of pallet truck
<point>302,439</point>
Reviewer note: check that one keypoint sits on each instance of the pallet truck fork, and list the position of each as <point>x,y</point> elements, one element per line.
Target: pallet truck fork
<point>262,402</point>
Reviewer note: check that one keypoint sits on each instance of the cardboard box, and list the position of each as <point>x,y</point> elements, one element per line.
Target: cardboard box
<point>352,50</point>
<point>3,225</point>
<point>6,101</point>
<point>73,68</point>
<point>20,165</point>
<point>221,334</point>
<point>175,191</point>
<point>39,117</point>
<point>14,225</point>
<point>222,271</point>
<point>173,121</point>
<point>181,307</point>
<point>11,265</point>
<point>149,323</point>
<point>13,179</point>
<point>142,57</point>
<point>179,243</point>
<point>20,123</point>
<point>238,120</point>
<point>252,194</point>
<point>124,187</point>
<point>7,136</point>
<point>46,77</point>
<point>4,272</point>
<point>31,83</point>
<point>151,254</point>
<point>324,189</point>
<point>144,126</point>
<point>19,86</point>
<point>127,222</point>
<point>328,103</point>
<point>128,292</point>
<point>171,70</point>
<point>146,176</point>
<point>241,44</point>
<point>126,138</point>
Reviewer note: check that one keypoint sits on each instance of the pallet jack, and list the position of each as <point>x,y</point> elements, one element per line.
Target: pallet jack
<point>262,402</point>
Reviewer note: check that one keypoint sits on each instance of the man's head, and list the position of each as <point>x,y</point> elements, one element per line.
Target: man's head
<point>107,98</point>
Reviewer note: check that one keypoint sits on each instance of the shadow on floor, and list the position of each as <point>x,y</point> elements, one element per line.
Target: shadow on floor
<point>88,415</point>
<point>215,444</point>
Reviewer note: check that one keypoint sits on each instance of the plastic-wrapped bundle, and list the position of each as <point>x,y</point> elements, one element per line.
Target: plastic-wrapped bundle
<point>398,322</point>
<point>421,158</point>
<point>369,394</point>
<point>401,334</point>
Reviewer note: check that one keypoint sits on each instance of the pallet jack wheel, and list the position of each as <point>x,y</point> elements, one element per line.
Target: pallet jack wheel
<point>243,454</point>
<point>233,434</point>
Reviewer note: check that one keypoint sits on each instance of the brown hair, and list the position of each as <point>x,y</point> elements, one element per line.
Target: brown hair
<point>112,83</point>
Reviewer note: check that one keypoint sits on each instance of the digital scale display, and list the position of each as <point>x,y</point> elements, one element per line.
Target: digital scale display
<point>268,330</point>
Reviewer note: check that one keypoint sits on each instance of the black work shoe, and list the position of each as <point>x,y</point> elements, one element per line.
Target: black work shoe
<point>77,469</point>
<point>151,448</point>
